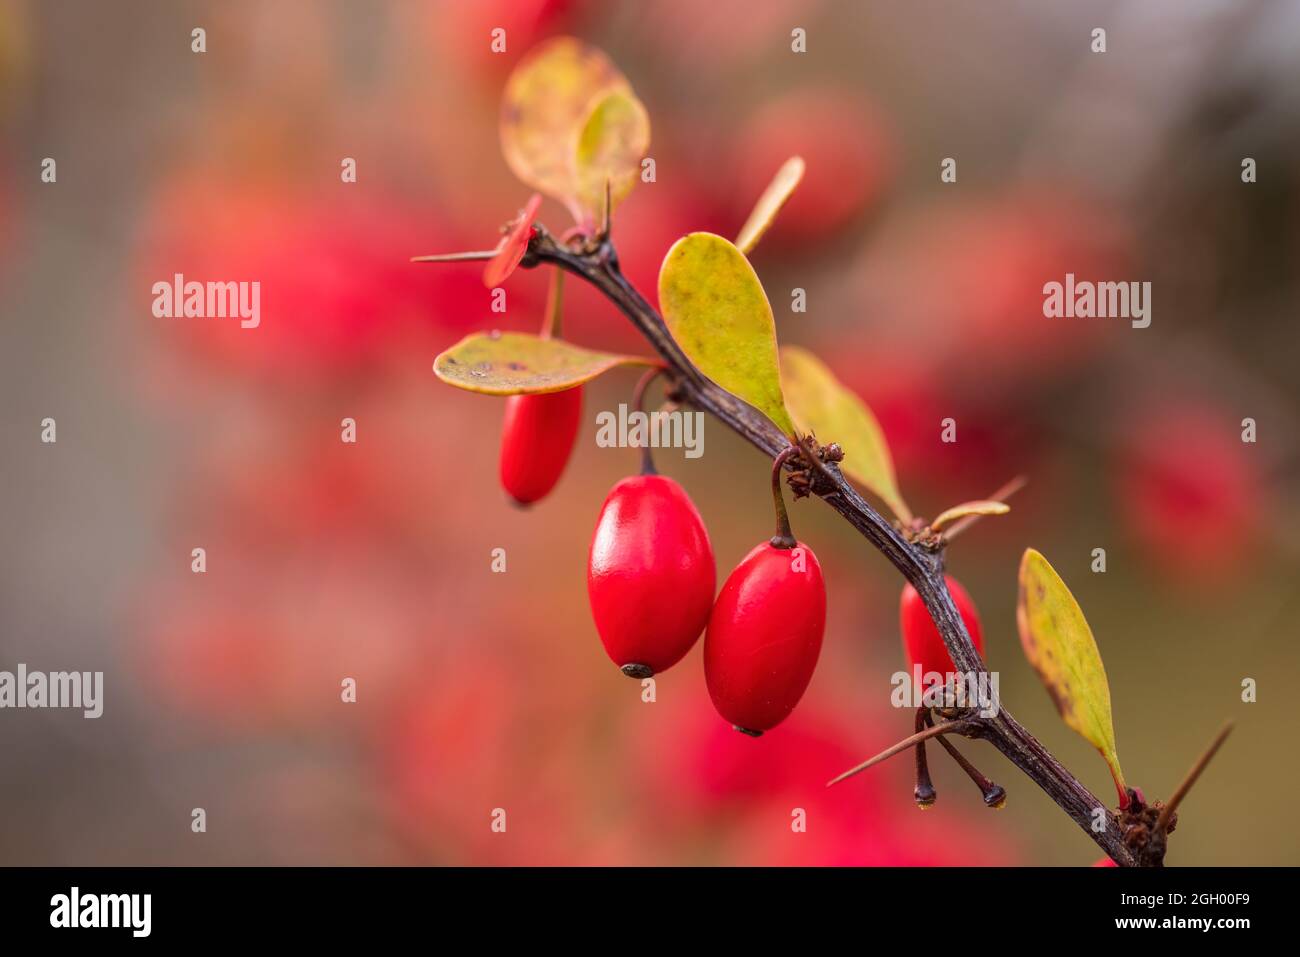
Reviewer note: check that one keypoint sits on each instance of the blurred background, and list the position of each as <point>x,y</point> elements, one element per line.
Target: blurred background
<point>372,561</point>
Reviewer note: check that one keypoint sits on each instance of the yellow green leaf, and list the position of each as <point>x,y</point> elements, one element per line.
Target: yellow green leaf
<point>981,507</point>
<point>611,145</point>
<point>510,363</point>
<point>1060,646</point>
<point>821,404</point>
<point>769,204</point>
<point>546,104</point>
<point>717,311</point>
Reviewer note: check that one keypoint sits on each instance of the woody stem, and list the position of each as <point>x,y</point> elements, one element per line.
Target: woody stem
<point>920,563</point>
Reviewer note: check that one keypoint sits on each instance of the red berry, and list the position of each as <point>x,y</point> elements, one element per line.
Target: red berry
<point>921,640</point>
<point>764,636</point>
<point>1105,862</point>
<point>1190,491</point>
<point>650,575</point>
<point>536,441</point>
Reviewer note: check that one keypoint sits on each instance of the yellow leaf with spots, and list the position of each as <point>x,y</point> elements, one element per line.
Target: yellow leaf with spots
<point>548,103</point>
<point>1060,646</point>
<point>821,404</point>
<point>717,311</point>
<point>512,363</point>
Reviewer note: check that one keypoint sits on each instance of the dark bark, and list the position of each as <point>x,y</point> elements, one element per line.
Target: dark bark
<point>922,565</point>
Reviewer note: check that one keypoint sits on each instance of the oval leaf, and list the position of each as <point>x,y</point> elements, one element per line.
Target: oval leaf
<point>717,311</point>
<point>511,363</point>
<point>769,204</point>
<point>546,103</point>
<point>610,147</point>
<point>1060,646</point>
<point>821,404</point>
<point>513,246</point>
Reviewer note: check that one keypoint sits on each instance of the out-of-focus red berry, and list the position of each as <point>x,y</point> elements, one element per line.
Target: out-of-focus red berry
<point>849,157</point>
<point>536,441</point>
<point>961,282</point>
<point>465,30</point>
<point>1189,489</point>
<point>922,642</point>
<point>337,289</point>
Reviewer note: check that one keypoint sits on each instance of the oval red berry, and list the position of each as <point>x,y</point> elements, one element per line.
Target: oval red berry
<point>536,441</point>
<point>765,635</point>
<point>650,574</point>
<point>921,640</point>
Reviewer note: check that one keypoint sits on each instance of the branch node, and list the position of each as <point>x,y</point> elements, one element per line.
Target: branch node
<point>809,477</point>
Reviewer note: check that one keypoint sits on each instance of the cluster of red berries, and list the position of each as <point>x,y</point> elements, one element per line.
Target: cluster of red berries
<point>651,577</point>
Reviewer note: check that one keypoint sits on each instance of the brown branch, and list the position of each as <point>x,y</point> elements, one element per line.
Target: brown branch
<point>920,564</point>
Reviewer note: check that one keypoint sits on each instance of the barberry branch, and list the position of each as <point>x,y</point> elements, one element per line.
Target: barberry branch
<point>921,562</point>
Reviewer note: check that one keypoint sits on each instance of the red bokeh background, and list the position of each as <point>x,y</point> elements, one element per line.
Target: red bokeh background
<point>478,690</point>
